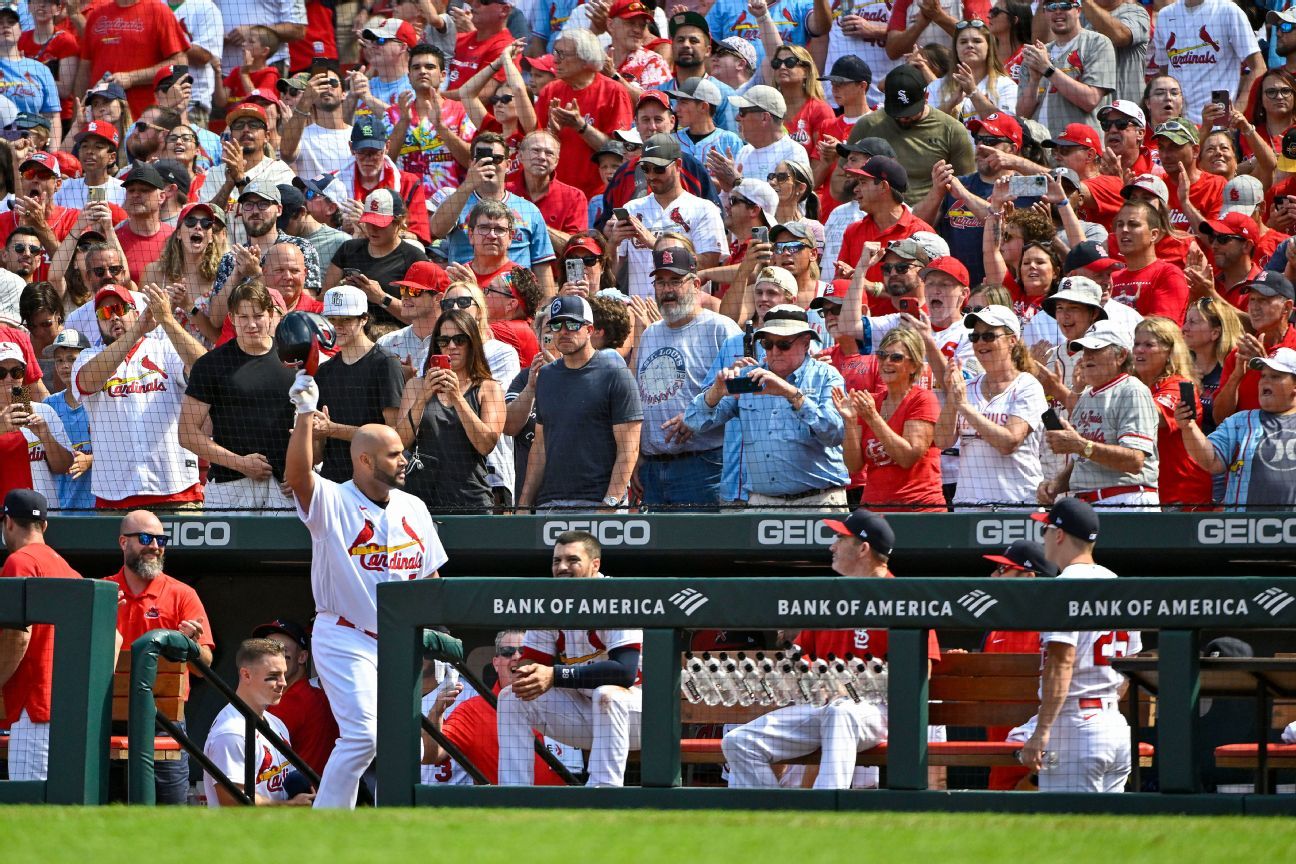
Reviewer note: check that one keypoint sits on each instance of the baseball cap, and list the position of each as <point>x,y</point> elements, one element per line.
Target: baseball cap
<point>1076,289</point>
<point>545,63</point>
<point>67,338</point>
<point>99,128</point>
<point>1233,224</point>
<point>262,189</point>
<point>1025,555</point>
<point>1089,255</point>
<point>1102,334</point>
<point>930,242</point>
<point>425,276</point>
<point>779,276</point>
<point>759,193</point>
<point>28,120</point>
<point>1287,16</point>
<point>266,95</point>
<point>246,109</point>
<point>884,168</point>
<point>9,6</point>
<point>653,96</point>
<point>165,77</point>
<point>628,136</point>
<point>610,147</point>
<point>1077,135</point>
<point>867,526</point>
<point>345,301</point>
<point>143,172</point>
<point>1287,151</point>
<point>998,125</point>
<point>1242,195</point>
<point>869,147</point>
<point>909,249</point>
<point>627,10</point>
<point>689,19</point>
<point>739,47</point>
<point>391,28</point>
<point>660,150</point>
<point>293,202</point>
<point>674,259</point>
<point>25,503</point>
<point>785,319</point>
<point>11,351</point>
<point>296,83</point>
<point>108,90</point>
<point>950,266</point>
<point>1123,106</point>
<point>582,244</point>
<point>326,185</point>
<point>174,173</point>
<point>1283,360</point>
<point>381,206</point>
<point>849,69</point>
<point>800,229</point>
<point>1178,131</point>
<point>1148,183</point>
<point>994,316</point>
<point>571,308</point>
<point>113,292</point>
<point>42,159</point>
<point>287,627</point>
<point>836,295</point>
<point>1073,516</point>
<point>368,134</point>
<point>763,97</point>
<point>698,89</point>
<point>906,91</point>
<point>1271,283</point>
<point>1227,646</point>
<point>216,212</point>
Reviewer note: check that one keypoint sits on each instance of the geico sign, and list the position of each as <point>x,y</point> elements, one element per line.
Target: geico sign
<point>198,533</point>
<point>794,532</point>
<point>1001,532</point>
<point>1270,530</point>
<point>610,532</point>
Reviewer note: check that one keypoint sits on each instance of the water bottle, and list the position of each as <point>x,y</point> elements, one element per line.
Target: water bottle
<point>761,674</point>
<point>726,683</point>
<point>704,682</point>
<point>754,687</point>
<point>805,682</point>
<point>784,684</point>
<point>843,680</point>
<point>718,684</point>
<point>688,680</point>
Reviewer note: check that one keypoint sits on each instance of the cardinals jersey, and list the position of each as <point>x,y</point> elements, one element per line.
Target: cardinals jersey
<point>578,647</point>
<point>1093,676</point>
<point>225,745</point>
<point>1120,412</point>
<point>356,545</point>
<point>138,410</point>
<point>1203,47</point>
<point>694,217</point>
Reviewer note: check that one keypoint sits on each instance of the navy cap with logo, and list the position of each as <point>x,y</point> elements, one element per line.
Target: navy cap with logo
<point>287,627</point>
<point>25,504</point>
<point>1073,516</point>
<point>674,259</point>
<point>368,135</point>
<point>867,526</point>
<point>884,168</point>
<point>1271,283</point>
<point>1025,555</point>
<point>906,91</point>
<point>571,308</point>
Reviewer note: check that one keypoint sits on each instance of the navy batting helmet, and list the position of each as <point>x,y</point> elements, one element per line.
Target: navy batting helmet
<point>301,336</point>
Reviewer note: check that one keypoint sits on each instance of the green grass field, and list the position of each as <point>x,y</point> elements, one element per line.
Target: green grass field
<point>109,835</point>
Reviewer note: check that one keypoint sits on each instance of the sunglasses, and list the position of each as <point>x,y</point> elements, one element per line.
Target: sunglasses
<point>1286,27</point>
<point>507,651</point>
<point>240,125</point>
<point>38,174</point>
<point>147,539</point>
<point>892,356</point>
<point>459,340</point>
<point>898,269</point>
<point>780,344</point>
<point>501,292</point>
<point>790,248</point>
<point>1220,239</point>
<point>992,141</point>
<point>181,139</point>
<point>502,99</point>
<point>655,169</point>
<point>996,12</point>
<point>449,303</point>
<point>406,292</point>
<point>144,125</point>
<point>974,23</point>
<point>987,337</point>
<point>778,176</point>
<point>569,326</point>
<point>114,270</point>
<point>14,372</point>
<point>747,112</point>
<point>1122,124</point>
<point>379,40</point>
<point>203,222</point>
<point>587,260</point>
<point>109,311</point>
<point>786,63</point>
<point>24,249</point>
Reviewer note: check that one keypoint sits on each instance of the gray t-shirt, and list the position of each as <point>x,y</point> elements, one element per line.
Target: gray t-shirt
<point>577,409</point>
<point>672,369</point>
<point>1089,58</point>
<point>1131,61</point>
<point>1272,464</point>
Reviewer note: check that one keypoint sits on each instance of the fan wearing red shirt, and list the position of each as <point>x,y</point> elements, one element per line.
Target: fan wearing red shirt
<point>51,42</point>
<point>586,105</point>
<point>564,207</point>
<point>843,727</point>
<point>39,177</point>
<point>481,46</point>
<point>1150,285</point>
<point>1178,143</point>
<point>304,708</point>
<point>27,656</point>
<point>130,40</point>
<point>880,196</point>
<point>1269,309</point>
<point>511,300</point>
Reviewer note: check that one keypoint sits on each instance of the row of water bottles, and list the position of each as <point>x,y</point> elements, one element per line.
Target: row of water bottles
<point>786,678</point>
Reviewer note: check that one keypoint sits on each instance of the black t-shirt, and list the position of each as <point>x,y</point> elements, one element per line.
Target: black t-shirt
<point>250,411</point>
<point>354,254</point>
<point>356,394</point>
<point>523,440</point>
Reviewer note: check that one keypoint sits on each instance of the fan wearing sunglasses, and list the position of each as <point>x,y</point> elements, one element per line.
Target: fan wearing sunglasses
<point>39,179</point>
<point>791,431</point>
<point>1054,85</point>
<point>508,101</point>
<point>511,299</point>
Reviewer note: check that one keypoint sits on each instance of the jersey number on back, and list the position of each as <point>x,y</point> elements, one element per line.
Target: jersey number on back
<point>1113,643</point>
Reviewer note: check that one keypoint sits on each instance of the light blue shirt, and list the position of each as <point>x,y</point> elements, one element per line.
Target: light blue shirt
<point>721,139</point>
<point>530,246</point>
<point>30,84</point>
<point>783,451</point>
<point>74,494</point>
<point>549,26</point>
<point>1252,446</point>
<point>731,18</point>
<point>387,91</point>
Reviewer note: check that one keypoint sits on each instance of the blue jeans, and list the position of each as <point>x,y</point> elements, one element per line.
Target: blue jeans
<point>685,480</point>
<point>171,777</point>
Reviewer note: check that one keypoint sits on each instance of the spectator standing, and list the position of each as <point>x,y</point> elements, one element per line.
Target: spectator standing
<point>978,84</point>
<point>372,262</point>
<point>28,83</point>
<point>55,47</point>
<point>33,434</point>
<point>1179,145</point>
<point>74,487</point>
<point>372,169</point>
<point>564,208</point>
<point>190,258</point>
<point>1152,285</point>
<point>421,290</point>
<point>297,221</point>
<point>96,148</point>
<point>316,137</point>
<point>22,255</point>
<point>480,46</point>
<point>880,195</point>
<point>1067,80</point>
<point>512,298</point>
<point>430,133</point>
<point>286,18</point>
<point>27,655</point>
<point>130,40</point>
<point>637,68</point>
<point>385,44</point>
<point>202,23</point>
<point>33,205</point>
<point>591,408</point>
<point>691,51</point>
<point>1206,45</point>
<point>761,114</point>
<point>143,235</point>
<point>1211,330</point>
<point>359,385</point>
<point>246,161</point>
<point>304,708</point>
<point>1269,310</point>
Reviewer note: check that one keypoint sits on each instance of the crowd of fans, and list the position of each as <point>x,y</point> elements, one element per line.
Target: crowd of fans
<point>616,254</point>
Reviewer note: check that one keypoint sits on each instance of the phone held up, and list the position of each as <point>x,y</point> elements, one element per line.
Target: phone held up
<point>1051,421</point>
<point>575,269</point>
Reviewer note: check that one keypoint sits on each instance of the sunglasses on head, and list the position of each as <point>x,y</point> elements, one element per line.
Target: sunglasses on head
<point>459,340</point>
<point>898,269</point>
<point>996,12</point>
<point>147,539</point>
<point>781,344</point>
<point>203,222</point>
<point>1060,7</point>
<point>987,337</point>
<point>974,23</point>
<point>1122,124</point>
<point>559,326</point>
<point>14,372</point>
<point>449,303</point>
<point>785,63</point>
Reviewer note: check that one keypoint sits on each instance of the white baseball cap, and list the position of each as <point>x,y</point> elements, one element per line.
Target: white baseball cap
<point>11,351</point>
<point>1148,183</point>
<point>936,245</point>
<point>1101,335</point>
<point>779,276</point>
<point>1283,360</point>
<point>345,301</point>
<point>1126,107</point>
<point>994,316</point>
<point>761,194</point>
<point>1076,289</point>
<point>1242,195</point>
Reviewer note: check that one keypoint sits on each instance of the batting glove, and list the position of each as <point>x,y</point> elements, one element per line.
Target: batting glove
<point>304,393</point>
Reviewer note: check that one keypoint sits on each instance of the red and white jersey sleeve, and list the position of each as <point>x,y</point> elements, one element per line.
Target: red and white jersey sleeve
<point>42,479</point>
<point>1093,677</point>
<point>357,545</point>
<point>134,419</point>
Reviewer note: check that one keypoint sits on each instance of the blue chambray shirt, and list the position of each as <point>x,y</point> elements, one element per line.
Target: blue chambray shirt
<point>778,451</point>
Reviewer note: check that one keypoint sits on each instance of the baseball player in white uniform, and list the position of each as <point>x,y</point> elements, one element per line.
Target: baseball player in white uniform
<point>1079,741</point>
<point>580,687</point>
<point>363,532</point>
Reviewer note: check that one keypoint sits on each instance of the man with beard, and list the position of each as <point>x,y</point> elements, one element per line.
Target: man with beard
<point>244,160</point>
<point>667,207</point>
<point>133,389</point>
<point>1066,80</point>
<point>316,137</point>
<point>677,467</point>
<point>149,599</point>
<point>363,532</point>
<point>1179,144</point>
<point>23,253</point>
<point>39,178</point>
<point>147,138</point>
<point>691,48</point>
<point>881,195</point>
<point>143,234</point>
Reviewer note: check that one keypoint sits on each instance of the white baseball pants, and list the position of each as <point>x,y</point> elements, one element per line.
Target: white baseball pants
<point>1092,747</point>
<point>606,721</point>
<point>840,729</point>
<point>28,749</point>
<point>347,663</point>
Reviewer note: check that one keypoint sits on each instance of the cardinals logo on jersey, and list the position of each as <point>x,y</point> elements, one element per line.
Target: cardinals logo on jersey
<point>1193,55</point>
<point>152,378</point>
<point>269,773</point>
<point>376,557</point>
<point>678,219</point>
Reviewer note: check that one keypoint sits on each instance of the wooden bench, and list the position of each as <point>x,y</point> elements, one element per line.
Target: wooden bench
<point>168,691</point>
<point>967,690</point>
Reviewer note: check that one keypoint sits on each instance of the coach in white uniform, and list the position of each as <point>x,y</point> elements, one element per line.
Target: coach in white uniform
<point>363,532</point>
<point>1079,725</point>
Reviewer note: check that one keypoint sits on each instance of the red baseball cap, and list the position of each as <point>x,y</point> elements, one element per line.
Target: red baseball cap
<point>950,266</point>
<point>835,295</point>
<point>246,109</point>
<point>106,131</point>
<point>44,160</point>
<point>1233,224</point>
<point>586,244</point>
<point>114,292</point>
<point>545,63</point>
<point>998,125</point>
<point>269,96</point>
<point>656,96</point>
<point>392,28</point>
<point>1077,135</point>
<point>426,276</point>
<point>70,164</point>
<point>628,9</point>
<point>163,74</point>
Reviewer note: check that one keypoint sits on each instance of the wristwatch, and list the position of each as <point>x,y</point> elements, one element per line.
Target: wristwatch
<point>613,501</point>
<point>1088,449</point>
<point>1048,73</point>
<point>386,301</point>
<point>242,181</point>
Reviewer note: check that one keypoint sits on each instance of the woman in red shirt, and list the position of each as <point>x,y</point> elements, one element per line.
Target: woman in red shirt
<point>1162,362</point>
<point>1150,285</point>
<point>794,73</point>
<point>893,439</point>
<point>1271,108</point>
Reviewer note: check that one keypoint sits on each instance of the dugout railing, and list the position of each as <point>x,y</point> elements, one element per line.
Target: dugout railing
<point>1179,608</point>
<point>84,615</point>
